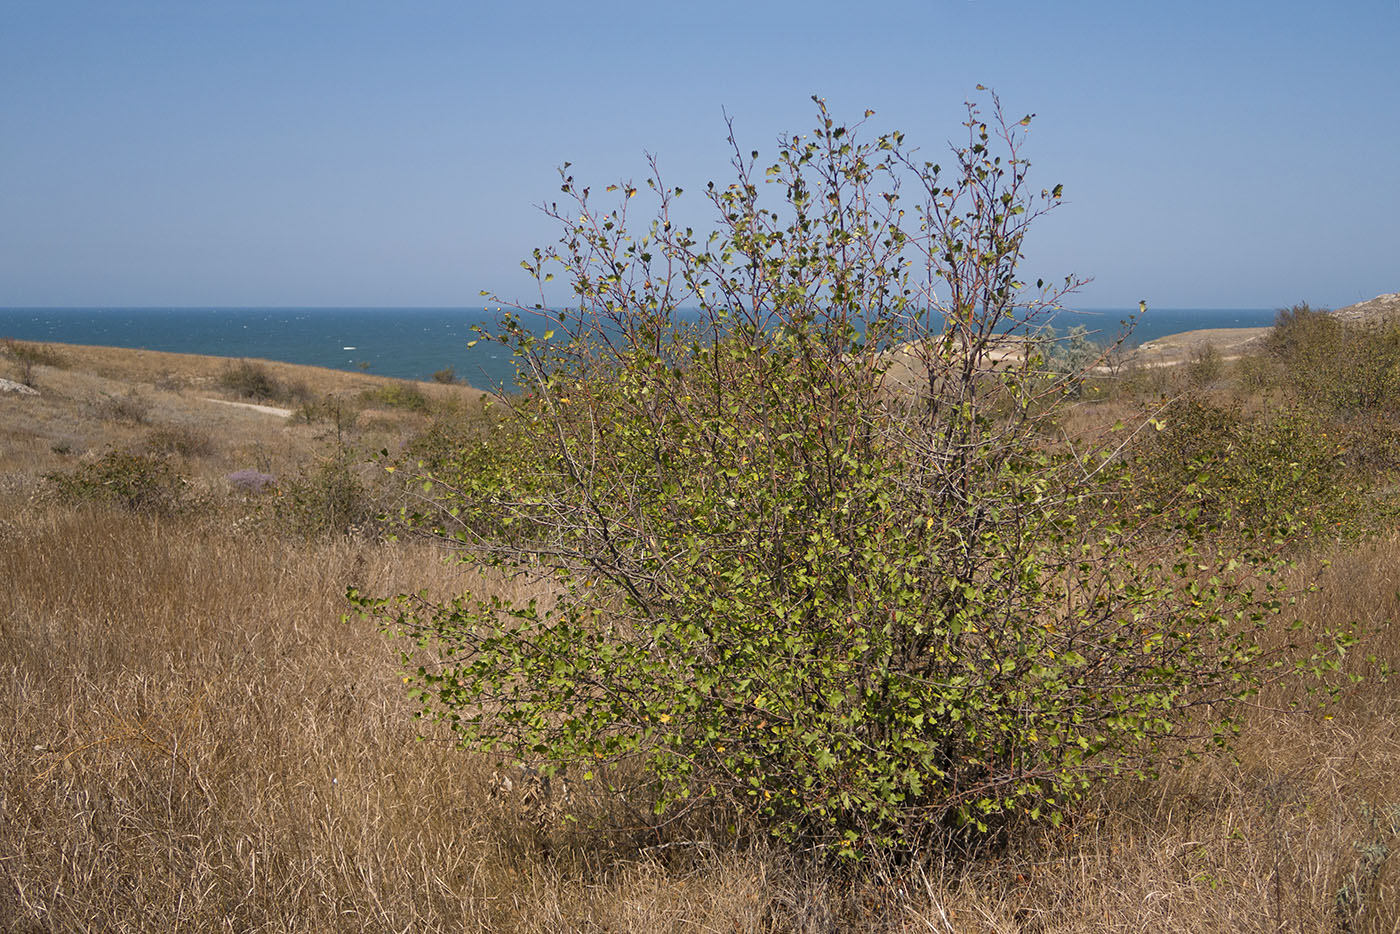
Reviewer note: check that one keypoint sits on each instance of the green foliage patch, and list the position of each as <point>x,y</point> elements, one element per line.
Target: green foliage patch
<point>397,395</point>
<point>1284,475</point>
<point>1342,368</point>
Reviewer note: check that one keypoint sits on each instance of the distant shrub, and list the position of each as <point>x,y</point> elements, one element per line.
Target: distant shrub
<point>1205,367</point>
<point>33,354</point>
<point>170,382</point>
<point>252,380</point>
<point>336,409</point>
<point>447,375</point>
<point>331,499</point>
<point>296,392</point>
<point>249,480</point>
<point>1281,475</point>
<point>1343,368</point>
<point>130,407</point>
<point>1072,353</point>
<point>183,440</point>
<point>1302,328</point>
<point>399,395</point>
<point>139,482</point>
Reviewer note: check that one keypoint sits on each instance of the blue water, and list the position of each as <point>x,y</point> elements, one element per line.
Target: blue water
<point>413,343</point>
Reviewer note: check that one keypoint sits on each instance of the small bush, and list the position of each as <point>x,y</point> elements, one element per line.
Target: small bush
<point>1205,367</point>
<point>1283,475</point>
<point>331,499</point>
<point>252,381</point>
<point>791,591</point>
<point>33,354</point>
<point>179,439</point>
<point>139,482</point>
<point>170,382</point>
<point>1073,353</point>
<point>400,395</point>
<point>132,408</point>
<point>1301,329</point>
<point>336,409</point>
<point>447,376</point>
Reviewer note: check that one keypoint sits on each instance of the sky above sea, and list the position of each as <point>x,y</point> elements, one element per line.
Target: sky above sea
<point>353,153</point>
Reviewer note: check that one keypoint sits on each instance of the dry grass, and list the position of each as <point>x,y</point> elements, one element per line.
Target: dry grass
<point>191,738</point>
<point>105,397</point>
<point>195,740</point>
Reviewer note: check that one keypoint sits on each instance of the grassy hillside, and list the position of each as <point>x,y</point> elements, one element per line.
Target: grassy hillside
<point>193,738</point>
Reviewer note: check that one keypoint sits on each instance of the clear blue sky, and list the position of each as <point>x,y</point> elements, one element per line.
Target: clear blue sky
<point>1214,154</point>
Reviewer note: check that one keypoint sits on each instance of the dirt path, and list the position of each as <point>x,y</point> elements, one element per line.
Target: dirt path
<point>265,409</point>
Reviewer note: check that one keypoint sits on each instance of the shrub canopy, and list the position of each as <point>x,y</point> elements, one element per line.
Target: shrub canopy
<point>814,560</point>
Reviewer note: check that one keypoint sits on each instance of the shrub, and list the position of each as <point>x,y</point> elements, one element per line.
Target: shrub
<point>330,499</point>
<point>130,407</point>
<point>398,395</point>
<point>849,596</point>
<point>1278,476</point>
<point>33,354</point>
<point>1301,330</point>
<point>252,380</point>
<point>1205,367</point>
<point>1072,354</point>
<point>447,376</point>
<point>139,482</point>
<point>1340,367</point>
<point>183,440</point>
<point>335,408</point>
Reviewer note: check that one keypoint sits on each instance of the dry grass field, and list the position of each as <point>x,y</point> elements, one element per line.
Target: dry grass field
<point>193,738</point>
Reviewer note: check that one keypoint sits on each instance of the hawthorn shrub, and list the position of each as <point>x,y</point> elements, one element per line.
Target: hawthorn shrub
<point>397,395</point>
<point>1342,368</point>
<point>1284,476</point>
<point>812,564</point>
<point>329,498</point>
<point>250,379</point>
<point>135,481</point>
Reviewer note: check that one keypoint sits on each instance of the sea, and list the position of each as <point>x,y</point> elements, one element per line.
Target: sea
<point>415,343</point>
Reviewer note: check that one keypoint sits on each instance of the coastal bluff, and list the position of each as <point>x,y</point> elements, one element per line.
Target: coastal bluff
<point>1381,308</point>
